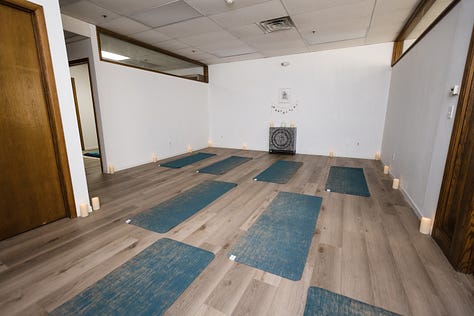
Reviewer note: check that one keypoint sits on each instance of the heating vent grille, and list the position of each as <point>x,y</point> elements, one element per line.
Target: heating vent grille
<point>277,24</point>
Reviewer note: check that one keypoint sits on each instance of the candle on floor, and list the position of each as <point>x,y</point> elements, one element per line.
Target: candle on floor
<point>331,154</point>
<point>292,124</point>
<point>386,169</point>
<point>190,149</point>
<point>272,124</point>
<point>209,143</point>
<point>154,158</point>
<point>84,207</point>
<point>244,146</point>
<point>377,156</point>
<point>111,169</point>
<point>95,203</point>
<point>396,183</point>
<point>425,225</point>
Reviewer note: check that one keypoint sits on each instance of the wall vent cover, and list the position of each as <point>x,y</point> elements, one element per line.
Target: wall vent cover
<point>277,24</point>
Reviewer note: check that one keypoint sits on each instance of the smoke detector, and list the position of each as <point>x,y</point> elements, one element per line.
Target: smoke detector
<point>277,24</point>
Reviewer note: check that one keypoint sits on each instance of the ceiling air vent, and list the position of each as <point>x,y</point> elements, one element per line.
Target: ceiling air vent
<point>278,24</point>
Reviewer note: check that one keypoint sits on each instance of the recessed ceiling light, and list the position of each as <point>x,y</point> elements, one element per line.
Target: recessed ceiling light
<point>112,56</point>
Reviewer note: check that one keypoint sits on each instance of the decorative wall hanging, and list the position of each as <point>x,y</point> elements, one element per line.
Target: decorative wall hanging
<point>285,104</point>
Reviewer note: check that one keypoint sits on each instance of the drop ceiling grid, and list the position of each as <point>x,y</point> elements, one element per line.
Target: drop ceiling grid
<point>217,32</point>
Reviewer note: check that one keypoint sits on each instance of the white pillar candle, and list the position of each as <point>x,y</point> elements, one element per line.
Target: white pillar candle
<point>272,124</point>
<point>190,149</point>
<point>377,156</point>
<point>111,169</point>
<point>331,154</point>
<point>396,183</point>
<point>292,124</point>
<point>244,146</point>
<point>154,158</point>
<point>84,207</point>
<point>95,203</point>
<point>209,143</point>
<point>386,169</point>
<point>425,225</point>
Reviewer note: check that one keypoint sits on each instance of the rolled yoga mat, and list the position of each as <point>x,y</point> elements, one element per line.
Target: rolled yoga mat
<point>178,163</point>
<point>321,302</point>
<point>348,181</point>
<point>279,172</point>
<point>280,239</point>
<point>148,284</point>
<point>176,210</point>
<point>225,165</point>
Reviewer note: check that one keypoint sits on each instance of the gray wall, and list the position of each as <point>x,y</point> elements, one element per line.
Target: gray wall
<point>417,130</point>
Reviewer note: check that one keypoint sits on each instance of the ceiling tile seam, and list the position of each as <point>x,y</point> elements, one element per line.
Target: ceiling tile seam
<point>296,28</point>
<point>370,23</point>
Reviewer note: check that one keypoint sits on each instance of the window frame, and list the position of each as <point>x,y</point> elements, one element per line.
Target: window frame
<point>412,21</point>
<point>127,39</point>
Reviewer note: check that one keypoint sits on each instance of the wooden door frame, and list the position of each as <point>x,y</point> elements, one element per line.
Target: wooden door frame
<point>453,175</point>
<point>78,114</point>
<point>86,61</point>
<point>51,98</point>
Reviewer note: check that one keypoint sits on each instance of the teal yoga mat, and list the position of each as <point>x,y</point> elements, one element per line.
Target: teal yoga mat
<point>321,302</point>
<point>225,165</point>
<point>279,172</point>
<point>176,210</point>
<point>279,240</point>
<point>348,181</point>
<point>148,284</point>
<point>182,162</point>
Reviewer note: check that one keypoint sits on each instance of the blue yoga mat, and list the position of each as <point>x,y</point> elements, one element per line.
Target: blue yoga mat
<point>176,210</point>
<point>94,154</point>
<point>321,302</point>
<point>148,284</point>
<point>178,163</point>
<point>347,180</point>
<point>279,172</point>
<point>225,165</point>
<point>280,239</point>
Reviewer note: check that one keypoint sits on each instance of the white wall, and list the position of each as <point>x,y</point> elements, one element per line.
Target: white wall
<point>80,73</point>
<point>417,131</point>
<point>143,112</point>
<point>66,101</point>
<point>341,96</point>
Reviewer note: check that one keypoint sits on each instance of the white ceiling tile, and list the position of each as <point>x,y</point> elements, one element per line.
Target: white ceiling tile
<point>285,51</point>
<point>89,12</point>
<point>248,15</point>
<point>190,28</point>
<point>166,14</point>
<point>391,5</point>
<point>337,45</point>
<point>171,45</point>
<point>250,30</point>
<point>358,13</point>
<point>334,36</point>
<point>209,7</point>
<point>207,38</point>
<point>124,26</point>
<point>227,48</point>
<point>240,58</point>
<point>301,6</point>
<point>126,7</point>
<point>275,40</point>
<point>151,36</point>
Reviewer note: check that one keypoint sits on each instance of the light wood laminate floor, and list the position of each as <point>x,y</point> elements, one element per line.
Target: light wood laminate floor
<point>365,248</point>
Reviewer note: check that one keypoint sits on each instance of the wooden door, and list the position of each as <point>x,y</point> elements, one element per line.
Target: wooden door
<point>454,223</point>
<point>35,187</point>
